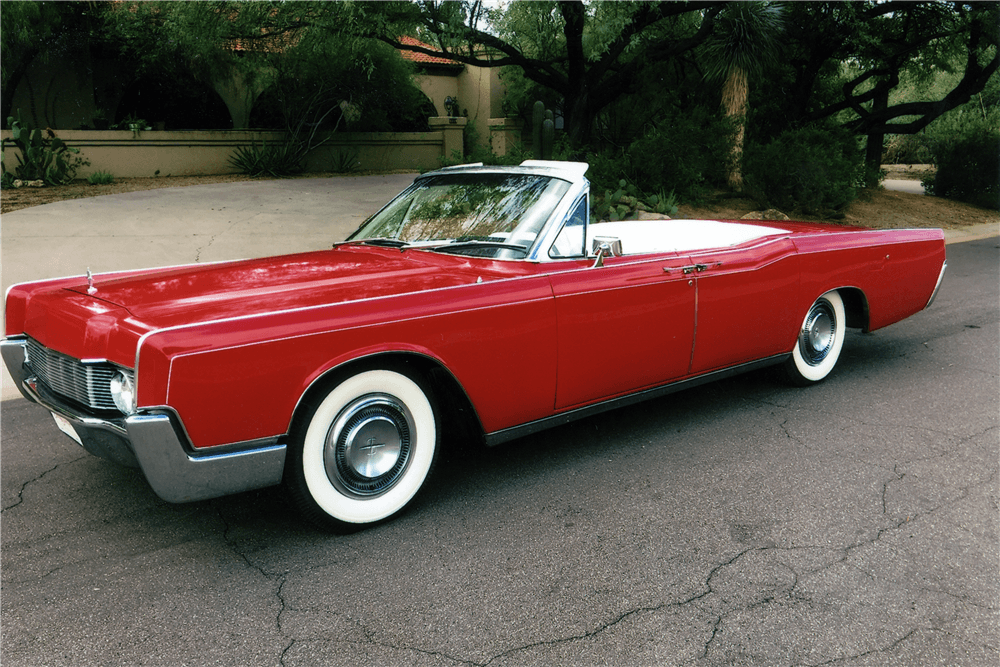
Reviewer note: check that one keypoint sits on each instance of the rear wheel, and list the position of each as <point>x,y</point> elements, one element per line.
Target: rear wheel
<point>364,450</point>
<point>820,340</point>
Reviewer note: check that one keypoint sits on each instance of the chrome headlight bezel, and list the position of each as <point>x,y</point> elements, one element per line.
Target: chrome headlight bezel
<point>123,392</point>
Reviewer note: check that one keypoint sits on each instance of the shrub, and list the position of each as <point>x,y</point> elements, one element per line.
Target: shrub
<point>907,149</point>
<point>966,150</point>
<point>684,153</point>
<point>101,178</point>
<point>813,169</point>
<point>687,152</point>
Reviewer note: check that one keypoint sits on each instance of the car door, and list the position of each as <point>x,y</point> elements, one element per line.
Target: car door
<point>623,326</point>
<point>744,295</point>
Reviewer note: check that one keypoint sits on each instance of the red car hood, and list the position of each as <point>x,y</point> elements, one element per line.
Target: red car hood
<point>217,291</point>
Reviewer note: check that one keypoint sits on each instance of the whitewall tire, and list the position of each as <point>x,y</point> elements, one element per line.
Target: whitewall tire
<point>364,450</point>
<point>820,339</point>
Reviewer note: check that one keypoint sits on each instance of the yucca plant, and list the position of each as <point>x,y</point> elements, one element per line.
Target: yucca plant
<point>745,42</point>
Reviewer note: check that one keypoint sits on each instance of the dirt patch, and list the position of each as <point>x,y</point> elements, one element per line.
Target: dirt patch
<point>876,208</point>
<point>908,172</point>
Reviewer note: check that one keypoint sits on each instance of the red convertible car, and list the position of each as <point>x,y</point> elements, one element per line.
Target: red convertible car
<point>480,297</point>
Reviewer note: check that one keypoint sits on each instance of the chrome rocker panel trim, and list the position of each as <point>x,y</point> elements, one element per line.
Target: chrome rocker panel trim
<point>504,435</point>
<point>154,442</point>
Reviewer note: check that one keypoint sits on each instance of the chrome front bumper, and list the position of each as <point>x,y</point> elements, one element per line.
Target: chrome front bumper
<point>155,442</point>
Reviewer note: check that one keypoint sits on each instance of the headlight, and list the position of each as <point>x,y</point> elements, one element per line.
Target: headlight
<point>123,392</point>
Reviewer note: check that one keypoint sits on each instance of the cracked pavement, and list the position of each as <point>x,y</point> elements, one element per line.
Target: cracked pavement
<point>853,523</point>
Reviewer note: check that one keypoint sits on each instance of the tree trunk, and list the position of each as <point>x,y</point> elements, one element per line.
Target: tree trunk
<point>875,140</point>
<point>734,103</point>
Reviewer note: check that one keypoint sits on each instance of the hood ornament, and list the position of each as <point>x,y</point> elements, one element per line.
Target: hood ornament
<point>90,282</point>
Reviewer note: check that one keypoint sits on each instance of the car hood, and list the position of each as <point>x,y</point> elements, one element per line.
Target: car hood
<point>201,293</point>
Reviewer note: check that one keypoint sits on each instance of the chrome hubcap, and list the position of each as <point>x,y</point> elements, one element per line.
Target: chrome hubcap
<point>818,333</point>
<point>368,447</point>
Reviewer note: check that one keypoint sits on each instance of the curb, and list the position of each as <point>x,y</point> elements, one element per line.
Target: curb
<point>972,232</point>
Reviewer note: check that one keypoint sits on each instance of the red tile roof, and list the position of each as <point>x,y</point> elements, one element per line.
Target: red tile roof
<point>423,58</point>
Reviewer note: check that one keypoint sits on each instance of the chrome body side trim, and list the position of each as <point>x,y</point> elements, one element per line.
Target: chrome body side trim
<point>155,442</point>
<point>502,436</point>
<point>937,286</point>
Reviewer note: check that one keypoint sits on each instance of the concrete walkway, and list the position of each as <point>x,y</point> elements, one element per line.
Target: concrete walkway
<point>901,185</point>
<point>201,223</point>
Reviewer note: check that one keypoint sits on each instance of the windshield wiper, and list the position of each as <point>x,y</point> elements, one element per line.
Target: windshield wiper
<point>459,246</point>
<point>387,243</point>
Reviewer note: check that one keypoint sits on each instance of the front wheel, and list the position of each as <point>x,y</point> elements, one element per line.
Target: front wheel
<point>363,451</point>
<point>820,340</point>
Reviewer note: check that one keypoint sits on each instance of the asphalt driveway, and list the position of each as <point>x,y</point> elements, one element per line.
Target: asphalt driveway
<point>854,523</point>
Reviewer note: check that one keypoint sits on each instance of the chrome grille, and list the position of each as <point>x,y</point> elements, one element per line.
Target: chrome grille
<point>89,384</point>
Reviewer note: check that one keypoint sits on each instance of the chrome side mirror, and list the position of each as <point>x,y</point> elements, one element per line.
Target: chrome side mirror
<point>605,246</point>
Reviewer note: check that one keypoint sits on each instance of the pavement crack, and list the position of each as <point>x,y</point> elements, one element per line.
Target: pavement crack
<point>885,487</point>
<point>20,492</point>
<point>859,656</point>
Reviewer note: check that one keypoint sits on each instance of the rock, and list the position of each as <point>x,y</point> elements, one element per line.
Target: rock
<point>651,215</point>
<point>769,214</point>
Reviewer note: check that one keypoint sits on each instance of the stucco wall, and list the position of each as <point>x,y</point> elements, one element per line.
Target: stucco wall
<point>126,154</point>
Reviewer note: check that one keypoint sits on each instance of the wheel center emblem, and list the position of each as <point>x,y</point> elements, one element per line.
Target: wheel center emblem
<point>372,447</point>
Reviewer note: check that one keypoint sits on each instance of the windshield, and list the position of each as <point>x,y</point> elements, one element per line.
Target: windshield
<point>474,210</point>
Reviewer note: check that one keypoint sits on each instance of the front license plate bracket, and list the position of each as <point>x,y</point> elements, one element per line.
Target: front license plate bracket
<point>66,427</point>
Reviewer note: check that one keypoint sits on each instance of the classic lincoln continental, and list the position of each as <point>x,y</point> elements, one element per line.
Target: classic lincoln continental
<point>481,297</point>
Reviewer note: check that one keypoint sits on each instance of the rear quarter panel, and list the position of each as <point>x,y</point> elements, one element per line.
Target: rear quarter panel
<point>895,269</point>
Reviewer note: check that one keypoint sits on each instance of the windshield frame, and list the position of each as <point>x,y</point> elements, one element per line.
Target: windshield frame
<point>539,214</point>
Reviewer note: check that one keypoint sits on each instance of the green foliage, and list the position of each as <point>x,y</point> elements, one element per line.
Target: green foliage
<point>101,178</point>
<point>746,37</point>
<point>276,159</point>
<point>627,202</point>
<point>43,156</point>
<point>685,153</point>
<point>31,31</point>
<point>876,68</point>
<point>966,149</point>
<point>372,90</point>
<point>907,149</point>
<point>815,170</point>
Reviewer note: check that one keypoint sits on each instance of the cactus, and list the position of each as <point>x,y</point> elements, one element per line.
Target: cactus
<point>543,131</point>
<point>45,158</point>
<point>627,201</point>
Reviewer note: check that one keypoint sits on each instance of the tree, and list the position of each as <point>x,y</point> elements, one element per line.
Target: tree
<point>588,54</point>
<point>30,30</point>
<point>744,42</point>
<point>239,49</point>
<point>845,59</point>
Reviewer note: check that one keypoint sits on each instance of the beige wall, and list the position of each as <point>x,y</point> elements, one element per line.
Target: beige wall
<point>478,90</point>
<point>124,154</point>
